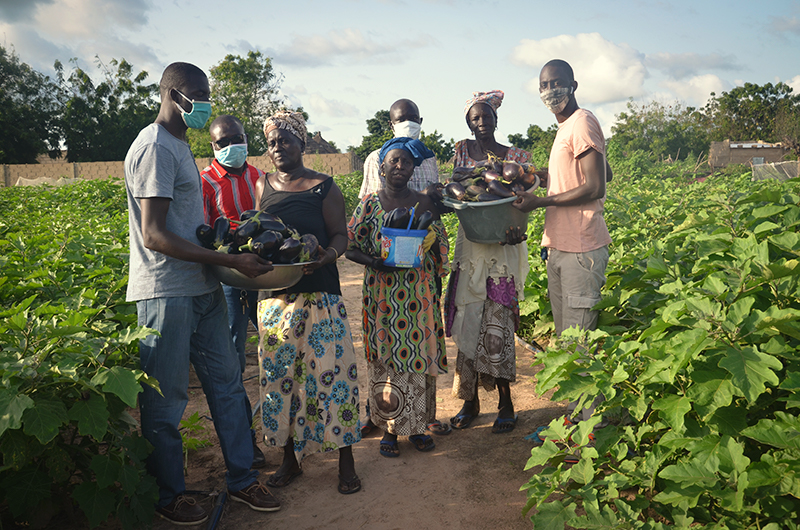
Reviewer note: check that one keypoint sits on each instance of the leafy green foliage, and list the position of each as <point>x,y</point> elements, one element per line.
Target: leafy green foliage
<point>28,112</point>
<point>99,122</point>
<point>538,143</point>
<point>748,112</point>
<point>444,151</point>
<point>69,356</point>
<point>380,131</point>
<point>193,436</point>
<point>697,356</point>
<point>666,131</point>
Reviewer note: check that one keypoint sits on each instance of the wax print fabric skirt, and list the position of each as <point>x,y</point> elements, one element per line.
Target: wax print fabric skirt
<point>307,372</point>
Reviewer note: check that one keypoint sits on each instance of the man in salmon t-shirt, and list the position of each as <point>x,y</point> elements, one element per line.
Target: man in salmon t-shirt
<point>575,234</point>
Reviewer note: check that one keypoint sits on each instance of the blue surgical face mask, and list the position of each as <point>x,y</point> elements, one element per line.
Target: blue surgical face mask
<point>197,118</point>
<point>232,156</point>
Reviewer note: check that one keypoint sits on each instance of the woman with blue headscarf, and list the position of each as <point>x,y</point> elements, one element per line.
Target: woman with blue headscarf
<point>402,318</point>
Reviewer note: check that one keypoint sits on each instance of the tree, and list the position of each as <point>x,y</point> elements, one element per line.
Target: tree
<point>538,142</point>
<point>245,87</point>
<point>663,131</point>
<point>380,131</point>
<point>787,127</point>
<point>749,112</point>
<point>100,122</point>
<point>28,112</point>
<point>444,151</point>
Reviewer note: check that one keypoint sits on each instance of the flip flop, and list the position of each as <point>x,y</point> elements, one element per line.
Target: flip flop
<point>537,436</point>
<point>281,481</point>
<point>389,449</point>
<point>346,487</point>
<point>422,442</point>
<point>504,425</point>
<point>439,428</point>
<point>461,421</point>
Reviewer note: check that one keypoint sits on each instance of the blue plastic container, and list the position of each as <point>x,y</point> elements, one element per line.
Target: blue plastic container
<point>402,247</point>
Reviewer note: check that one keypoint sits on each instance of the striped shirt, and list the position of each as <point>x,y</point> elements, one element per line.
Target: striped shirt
<point>226,194</point>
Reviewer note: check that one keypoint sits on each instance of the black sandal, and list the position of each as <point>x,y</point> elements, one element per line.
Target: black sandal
<point>347,487</point>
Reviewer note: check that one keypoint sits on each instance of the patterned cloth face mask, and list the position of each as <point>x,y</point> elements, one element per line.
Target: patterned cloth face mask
<point>555,99</point>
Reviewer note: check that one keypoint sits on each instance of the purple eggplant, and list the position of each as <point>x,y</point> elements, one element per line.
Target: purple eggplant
<point>455,190</point>
<point>290,249</point>
<point>222,232</point>
<point>495,187</point>
<point>205,234</point>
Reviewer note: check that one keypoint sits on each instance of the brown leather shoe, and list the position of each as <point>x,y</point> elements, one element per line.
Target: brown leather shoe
<point>257,497</point>
<point>183,511</point>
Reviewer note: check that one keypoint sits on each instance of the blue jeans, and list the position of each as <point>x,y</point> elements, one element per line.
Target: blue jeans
<point>237,320</point>
<point>193,330</point>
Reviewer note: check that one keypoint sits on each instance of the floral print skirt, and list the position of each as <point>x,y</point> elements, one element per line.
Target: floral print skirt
<point>307,373</point>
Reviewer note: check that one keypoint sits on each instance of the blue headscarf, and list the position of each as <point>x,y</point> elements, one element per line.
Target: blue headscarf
<point>416,148</point>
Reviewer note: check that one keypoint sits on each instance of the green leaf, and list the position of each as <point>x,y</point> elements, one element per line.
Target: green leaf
<point>120,381</point>
<point>106,468</point>
<point>766,226</point>
<point>679,495</point>
<point>751,370</point>
<point>583,472</point>
<point>711,389</point>
<point>542,454</point>
<point>672,410</point>
<point>553,515</point>
<point>92,416</point>
<point>790,382</point>
<point>44,419</point>
<point>25,489</point>
<point>12,405</point>
<point>728,420</point>
<point>133,334</point>
<point>693,472</point>
<point>656,267</point>
<point>782,432</point>
<point>769,210</point>
<point>17,449</point>
<point>95,502</point>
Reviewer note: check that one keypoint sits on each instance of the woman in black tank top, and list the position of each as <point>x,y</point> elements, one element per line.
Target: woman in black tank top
<point>307,365</point>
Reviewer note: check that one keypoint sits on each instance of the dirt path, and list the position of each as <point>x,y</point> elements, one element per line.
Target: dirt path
<point>470,480</point>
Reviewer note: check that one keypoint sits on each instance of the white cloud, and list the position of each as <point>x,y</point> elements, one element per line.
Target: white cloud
<point>605,71</point>
<point>316,50</point>
<point>785,25</point>
<point>696,91</point>
<point>682,65</point>
<point>19,10</point>
<point>794,83</point>
<point>90,19</point>
<point>319,105</point>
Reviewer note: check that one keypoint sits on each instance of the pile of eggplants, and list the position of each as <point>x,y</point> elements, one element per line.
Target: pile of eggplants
<point>489,180</point>
<point>262,233</point>
<point>400,218</point>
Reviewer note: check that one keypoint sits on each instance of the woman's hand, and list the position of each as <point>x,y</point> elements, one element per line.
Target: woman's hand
<point>377,264</point>
<point>324,257</point>
<point>514,236</point>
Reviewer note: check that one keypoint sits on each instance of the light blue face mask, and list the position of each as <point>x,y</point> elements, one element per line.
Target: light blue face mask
<point>201,111</point>
<point>232,156</point>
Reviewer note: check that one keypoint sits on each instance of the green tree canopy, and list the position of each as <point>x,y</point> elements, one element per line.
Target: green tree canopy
<point>749,112</point>
<point>444,151</point>
<point>99,122</point>
<point>245,87</point>
<point>28,112</point>
<point>662,130</point>
<point>380,131</point>
<point>538,143</point>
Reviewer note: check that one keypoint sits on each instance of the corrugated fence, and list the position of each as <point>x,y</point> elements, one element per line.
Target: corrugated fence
<point>65,172</point>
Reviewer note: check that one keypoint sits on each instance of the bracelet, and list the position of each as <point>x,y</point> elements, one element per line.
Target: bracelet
<point>335,252</point>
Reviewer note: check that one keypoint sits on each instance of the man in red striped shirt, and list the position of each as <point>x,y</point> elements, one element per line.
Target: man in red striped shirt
<point>229,185</point>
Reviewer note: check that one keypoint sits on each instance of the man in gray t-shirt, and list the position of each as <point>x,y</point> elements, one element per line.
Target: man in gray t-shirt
<point>175,296</point>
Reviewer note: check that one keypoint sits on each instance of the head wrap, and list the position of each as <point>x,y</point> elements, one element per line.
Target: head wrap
<point>417,149</point>
<point>289,120</point>
<point>493,98</point>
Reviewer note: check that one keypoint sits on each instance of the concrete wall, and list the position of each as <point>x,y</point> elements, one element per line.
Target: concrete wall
<point>723,154</point>
<point>332,164</point>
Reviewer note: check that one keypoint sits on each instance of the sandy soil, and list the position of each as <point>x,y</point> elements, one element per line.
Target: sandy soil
<point>470,480</point>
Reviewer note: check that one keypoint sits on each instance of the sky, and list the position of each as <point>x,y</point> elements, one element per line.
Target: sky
<point>344,60</point>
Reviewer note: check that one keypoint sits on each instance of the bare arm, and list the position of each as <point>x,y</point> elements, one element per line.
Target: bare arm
<point>335,227</point>
<point>609,173</point>
<point>593,166</point>
<point>158,238</point>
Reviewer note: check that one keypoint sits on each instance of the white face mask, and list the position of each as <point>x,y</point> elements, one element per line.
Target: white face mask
<point>407,129</point>
<point>555,99</point>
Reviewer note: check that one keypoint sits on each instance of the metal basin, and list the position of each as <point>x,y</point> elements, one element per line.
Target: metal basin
<point>487,222</point>
<point>281,277</point>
